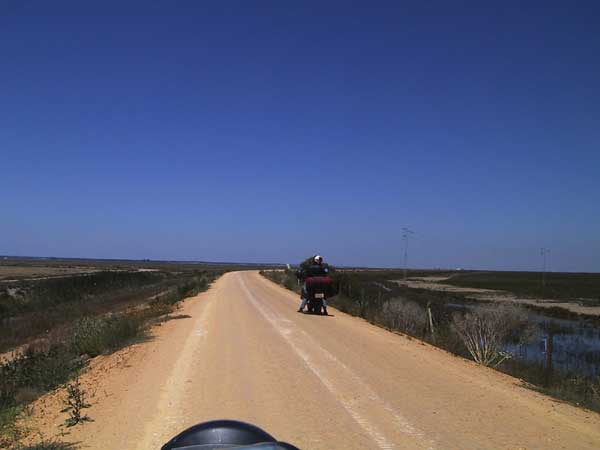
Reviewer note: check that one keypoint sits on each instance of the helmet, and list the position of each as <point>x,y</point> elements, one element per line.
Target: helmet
<point>318,259</point>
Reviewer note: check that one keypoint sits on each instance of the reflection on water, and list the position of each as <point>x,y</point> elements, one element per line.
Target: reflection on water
<point>576,344</point>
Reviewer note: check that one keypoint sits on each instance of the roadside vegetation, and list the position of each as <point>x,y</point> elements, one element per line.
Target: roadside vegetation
<point>31,309</point>
<point>137,299</point>
<point>469,328</point>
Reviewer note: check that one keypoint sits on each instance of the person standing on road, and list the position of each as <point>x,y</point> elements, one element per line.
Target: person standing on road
<point>311,267</point>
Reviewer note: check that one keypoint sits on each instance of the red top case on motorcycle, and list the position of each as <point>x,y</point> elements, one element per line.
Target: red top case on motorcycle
<point>318,284</point>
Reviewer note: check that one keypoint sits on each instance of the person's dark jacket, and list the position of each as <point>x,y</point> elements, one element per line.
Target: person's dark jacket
<point>313,270</point>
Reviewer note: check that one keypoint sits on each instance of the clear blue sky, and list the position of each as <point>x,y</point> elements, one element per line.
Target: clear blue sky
<point>266,131</point>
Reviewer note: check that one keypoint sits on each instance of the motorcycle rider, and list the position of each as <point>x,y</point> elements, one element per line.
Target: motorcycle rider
<point>311,267</point>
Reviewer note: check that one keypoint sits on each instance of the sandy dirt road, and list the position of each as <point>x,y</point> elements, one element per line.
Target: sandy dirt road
<point>318,382</point>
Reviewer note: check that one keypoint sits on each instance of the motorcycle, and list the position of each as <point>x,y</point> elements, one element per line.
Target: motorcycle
<point>225,434</point>
<point>317,290</point>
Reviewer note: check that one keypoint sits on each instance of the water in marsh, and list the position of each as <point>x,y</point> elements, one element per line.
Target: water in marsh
<point>575,344</point>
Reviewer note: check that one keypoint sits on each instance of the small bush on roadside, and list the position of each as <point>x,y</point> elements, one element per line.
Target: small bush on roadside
<point>25,377</point>
<point>577,389</point>
<point>26,395</point>
<point>485,329</point>
<point>49,445</point>
<point>404,315</point>
<point>291,283</point>
<point>76,402</point>
<point>344,304</point>
<point>95,335</point>
<point>10,433</point>
<point>286,278</point>
<point>39,371</point>
<point>188,289</point>
<point>157,309</point>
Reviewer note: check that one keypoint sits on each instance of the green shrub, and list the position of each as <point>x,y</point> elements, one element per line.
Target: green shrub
<point>41,371</point>
<point>10,433</point>
<point>577,389</point>
<point>49,445</point>
<point>75,403</point>
<point>286,278</point>
<point>95,335</point>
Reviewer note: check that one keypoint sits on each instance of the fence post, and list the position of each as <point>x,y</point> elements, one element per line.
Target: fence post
<point>549,350</point>
<point>430,321</point>
<point>362,303</point>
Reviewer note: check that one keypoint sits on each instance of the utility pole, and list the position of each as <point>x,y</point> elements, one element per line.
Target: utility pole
<point>405,235</point>
<point>544,251</point>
